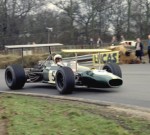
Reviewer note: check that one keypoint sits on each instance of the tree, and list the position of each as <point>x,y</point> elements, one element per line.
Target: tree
<point>86,18</point>
<point>92,17</point>
<point>70,8</point>
<point>3,23</point>
<point>129,4</point>
<point>13,14</point>
<point>23,21</point>
<point>117,19</point>
<point>147,4</point>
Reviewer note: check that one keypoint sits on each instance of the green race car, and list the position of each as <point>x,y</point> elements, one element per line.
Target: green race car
<point>64,77</point>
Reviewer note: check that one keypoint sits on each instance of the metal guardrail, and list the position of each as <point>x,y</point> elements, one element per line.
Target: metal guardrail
<point>79,58</point>
<point>85,60</point>
<point>87,63</point>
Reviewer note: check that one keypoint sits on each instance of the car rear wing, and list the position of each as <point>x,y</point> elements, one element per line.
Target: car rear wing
<point>31,46</point>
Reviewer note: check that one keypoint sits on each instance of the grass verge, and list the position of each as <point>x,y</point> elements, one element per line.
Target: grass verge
<point>26,115</point>
<point>28,61</point>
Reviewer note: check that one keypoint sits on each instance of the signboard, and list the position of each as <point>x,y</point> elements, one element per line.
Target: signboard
<point>106,57</point>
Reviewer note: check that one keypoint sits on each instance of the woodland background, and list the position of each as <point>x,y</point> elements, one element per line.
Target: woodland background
<point>73,22</point>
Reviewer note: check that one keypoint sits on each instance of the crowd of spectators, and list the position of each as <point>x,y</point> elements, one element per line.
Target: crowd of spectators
<point>139,46</point>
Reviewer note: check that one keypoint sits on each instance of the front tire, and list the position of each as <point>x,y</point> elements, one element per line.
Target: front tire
<point>113,68</point>
<point>15,77</point>
<point>65,80</point>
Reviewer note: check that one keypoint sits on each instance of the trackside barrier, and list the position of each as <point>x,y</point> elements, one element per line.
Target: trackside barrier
<point>85,60</point>
<point>92,59</point>
<point>106,57</point>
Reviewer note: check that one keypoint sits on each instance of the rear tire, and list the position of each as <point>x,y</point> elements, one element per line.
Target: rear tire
<point>65,80</point>
<point>113,68</point>
<point>15,77</point>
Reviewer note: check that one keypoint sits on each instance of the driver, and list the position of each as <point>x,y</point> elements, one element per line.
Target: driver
<point>57,58</point>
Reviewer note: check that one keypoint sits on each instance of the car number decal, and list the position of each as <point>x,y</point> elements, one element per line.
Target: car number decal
<point>52,74</point>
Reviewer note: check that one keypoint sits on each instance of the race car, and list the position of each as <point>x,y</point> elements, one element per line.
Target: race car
<point>65,76</point>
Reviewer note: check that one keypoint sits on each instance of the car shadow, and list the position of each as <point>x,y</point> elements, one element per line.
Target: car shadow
<point>42,86</point>
<point>98,90</point>
<point>45,88</point>
<point>76,89</point>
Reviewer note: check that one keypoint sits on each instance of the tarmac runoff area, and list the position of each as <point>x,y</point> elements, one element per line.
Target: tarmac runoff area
<point>135,111</point>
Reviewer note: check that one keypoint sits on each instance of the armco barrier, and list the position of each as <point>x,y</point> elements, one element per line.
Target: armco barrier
<point>85,60</point>
<point>93,59</point>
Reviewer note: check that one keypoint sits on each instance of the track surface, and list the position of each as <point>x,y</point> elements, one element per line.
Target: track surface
<point>135,90</point>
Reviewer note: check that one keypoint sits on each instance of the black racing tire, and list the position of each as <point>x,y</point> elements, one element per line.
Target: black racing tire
<point>65,80</point>
<point>15,77</point>
<point>113,68</point>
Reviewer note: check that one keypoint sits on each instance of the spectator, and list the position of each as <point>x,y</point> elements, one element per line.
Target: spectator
<point>122,38</point>
<point>99,42</point>
<point>139,49</point>
<point>91,42</point>
<point>114,40</point>
<point>148,48</point>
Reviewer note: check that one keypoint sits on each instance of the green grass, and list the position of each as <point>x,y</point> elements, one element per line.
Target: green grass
<point>40,116</point>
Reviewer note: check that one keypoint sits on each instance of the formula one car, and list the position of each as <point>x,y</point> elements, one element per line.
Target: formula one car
<point>65,76</point>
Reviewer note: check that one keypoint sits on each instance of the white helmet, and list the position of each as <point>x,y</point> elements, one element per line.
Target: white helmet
<point>57,56</point>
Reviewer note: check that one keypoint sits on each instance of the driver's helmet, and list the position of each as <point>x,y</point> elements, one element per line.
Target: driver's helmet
<point>57,58</point>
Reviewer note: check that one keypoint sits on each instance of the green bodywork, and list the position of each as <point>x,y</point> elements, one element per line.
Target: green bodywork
<point>88,77</point>
<point>102,80</point>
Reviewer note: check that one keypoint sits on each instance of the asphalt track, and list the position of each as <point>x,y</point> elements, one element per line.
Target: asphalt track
<point>135,90</point>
